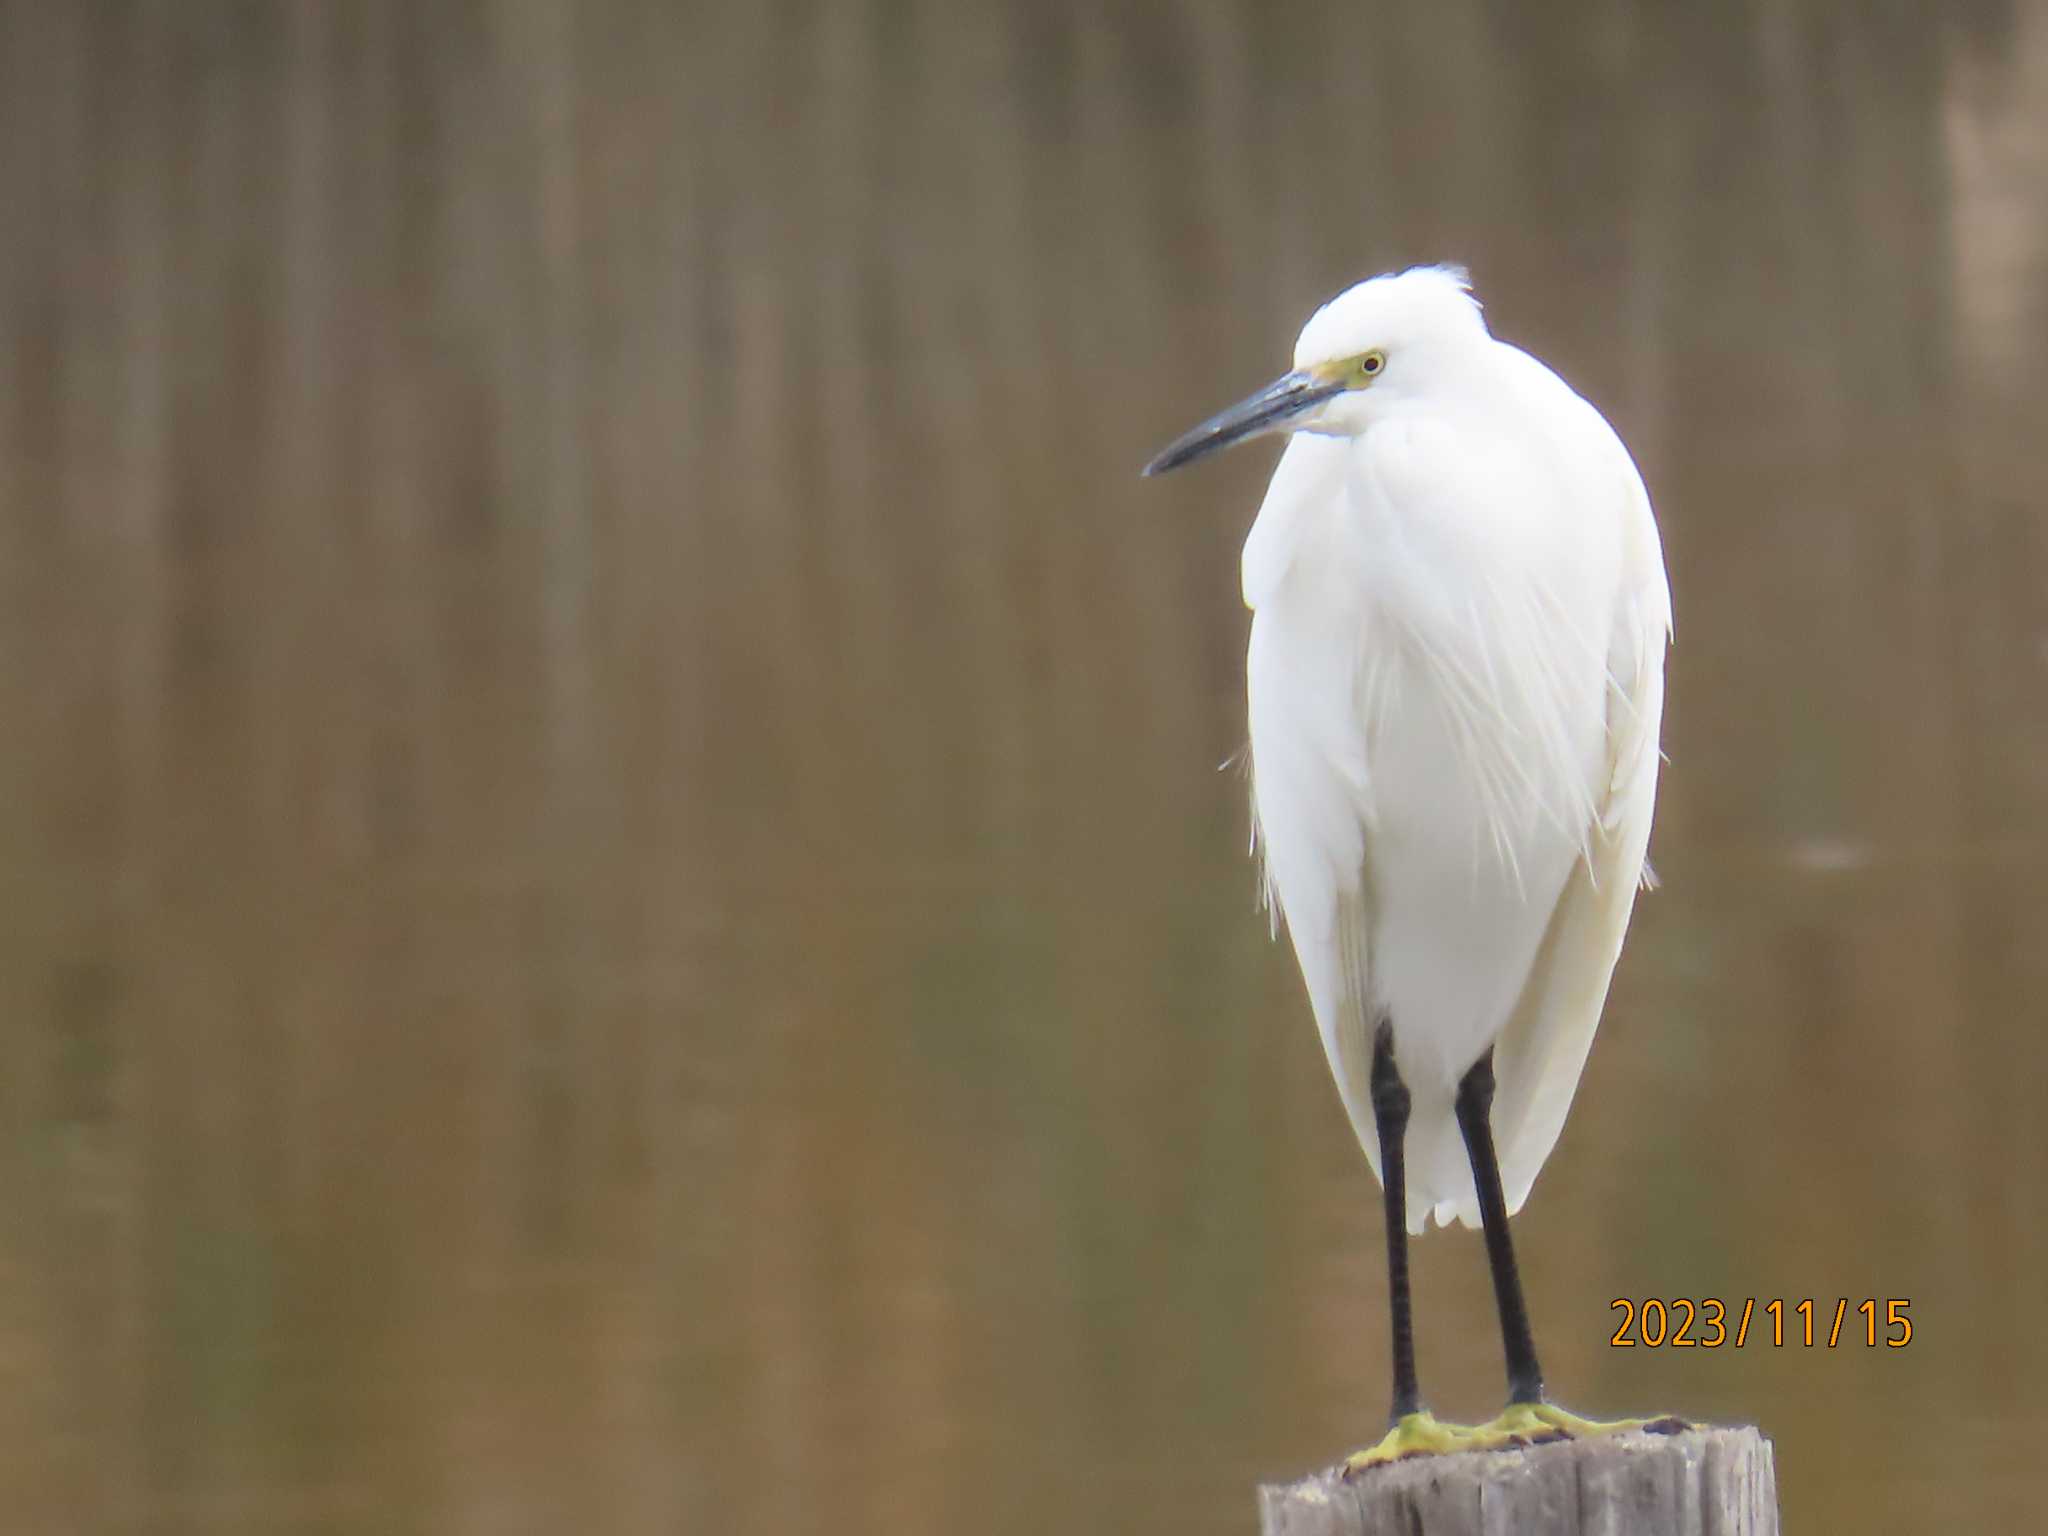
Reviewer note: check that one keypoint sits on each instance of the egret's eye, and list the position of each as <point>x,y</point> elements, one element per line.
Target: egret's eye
<point>1370,364</point>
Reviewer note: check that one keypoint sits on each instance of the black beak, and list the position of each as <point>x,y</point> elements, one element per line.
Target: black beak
<point>1272,409</point>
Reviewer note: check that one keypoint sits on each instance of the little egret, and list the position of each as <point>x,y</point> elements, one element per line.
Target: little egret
<point>1455,683</point>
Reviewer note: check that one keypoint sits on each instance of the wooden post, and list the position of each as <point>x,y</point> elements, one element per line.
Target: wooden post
<point>1703,1482</point>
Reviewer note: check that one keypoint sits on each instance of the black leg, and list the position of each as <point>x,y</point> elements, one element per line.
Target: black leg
<point>1475,1108</point>
<point>1390,1111</point>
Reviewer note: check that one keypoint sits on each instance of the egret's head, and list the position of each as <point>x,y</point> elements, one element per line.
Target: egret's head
<point>1357,355</point>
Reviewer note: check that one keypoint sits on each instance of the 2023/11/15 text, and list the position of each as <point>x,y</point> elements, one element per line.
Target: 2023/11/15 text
<point>1710,1323</point>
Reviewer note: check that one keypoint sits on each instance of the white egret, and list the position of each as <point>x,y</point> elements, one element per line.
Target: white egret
<point>1455,680</point>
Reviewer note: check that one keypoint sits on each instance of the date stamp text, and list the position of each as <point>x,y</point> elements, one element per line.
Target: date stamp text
<point>1711,1323</point>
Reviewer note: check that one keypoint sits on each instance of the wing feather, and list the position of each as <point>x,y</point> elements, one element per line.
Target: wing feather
<point>1542,1049</point>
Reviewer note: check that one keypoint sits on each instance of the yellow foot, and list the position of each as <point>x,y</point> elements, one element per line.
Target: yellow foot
<point>1537,1423</point>
<point>1523,1424</point>
<point>1413,1434</point>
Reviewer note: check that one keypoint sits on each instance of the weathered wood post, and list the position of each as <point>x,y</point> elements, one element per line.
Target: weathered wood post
<point>1702,1482</point>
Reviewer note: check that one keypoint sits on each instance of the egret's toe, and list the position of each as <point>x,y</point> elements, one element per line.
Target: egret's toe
<point>1537,1423</point>
<point>1413,1434</point>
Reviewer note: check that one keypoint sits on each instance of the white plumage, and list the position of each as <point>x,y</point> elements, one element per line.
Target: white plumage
<point>1455,681</point>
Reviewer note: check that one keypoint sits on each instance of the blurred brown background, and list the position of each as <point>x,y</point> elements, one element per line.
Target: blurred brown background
<point>616,908</point>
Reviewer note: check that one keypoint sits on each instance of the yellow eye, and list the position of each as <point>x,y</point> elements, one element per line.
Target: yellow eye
<point>1368,367</point>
